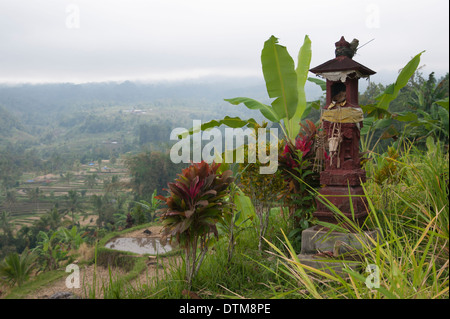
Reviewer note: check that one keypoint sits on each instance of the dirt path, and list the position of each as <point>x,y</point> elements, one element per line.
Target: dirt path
<point>155,233</point>
<point>102,279</point>
<point>155,269</point>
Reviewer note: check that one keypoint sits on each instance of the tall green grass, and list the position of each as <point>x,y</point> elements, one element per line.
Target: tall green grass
<point>412,216</point>
<point>28,288</point>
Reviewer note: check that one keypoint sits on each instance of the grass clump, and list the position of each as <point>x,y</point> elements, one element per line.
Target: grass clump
<point>411,256</point>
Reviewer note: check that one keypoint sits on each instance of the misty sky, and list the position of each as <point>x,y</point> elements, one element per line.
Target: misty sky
<point>111,40</point>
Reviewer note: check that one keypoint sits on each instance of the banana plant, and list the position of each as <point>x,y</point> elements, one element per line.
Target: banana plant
<point>241,212</point>
<point>150,207</point>
<point>285,84</point>
<point>378,116</point>
<point>72,237</point>
<point>49,250</point>
<point>436,122</point>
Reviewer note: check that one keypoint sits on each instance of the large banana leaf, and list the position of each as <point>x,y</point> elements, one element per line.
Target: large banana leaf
<point>392,91</point>
<point>280,77</point>
<point>233,122</point>
<point>245,206</point>
<point>444,117</point>
<point>406,116</point>
<point>284,83</point>
<point>443,103</point>
<point>303,62</point>
<point>319,82</point>
<point>252,104</point>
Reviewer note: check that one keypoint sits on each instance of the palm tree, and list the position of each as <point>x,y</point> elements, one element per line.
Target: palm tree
<point>16,269</point>
<point>33,195</point>
<point>11,199</point>
<point>105,210</point>
<point>55,218</point>
<point>68,177</point>
<point>99,162</point>
<point>74,203</point>
<point>28,235</point>
<point>43,223</point>
<point>98,202</point>
<point>91,180</point>
<point>5,222</point>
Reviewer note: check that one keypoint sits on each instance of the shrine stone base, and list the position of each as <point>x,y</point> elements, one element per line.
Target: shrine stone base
<point>327,265</point>
<point>327,250</point>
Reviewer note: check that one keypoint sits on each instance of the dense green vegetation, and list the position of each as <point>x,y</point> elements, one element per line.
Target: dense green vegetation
<point>81,163</point>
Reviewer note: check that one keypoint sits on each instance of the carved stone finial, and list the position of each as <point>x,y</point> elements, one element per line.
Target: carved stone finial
<point>345,48</point>
<point>342,43</point>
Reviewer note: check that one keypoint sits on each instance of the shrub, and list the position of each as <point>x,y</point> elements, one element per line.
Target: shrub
<point>196,203</point>
<point>16,269</point>
<point>300,165</point>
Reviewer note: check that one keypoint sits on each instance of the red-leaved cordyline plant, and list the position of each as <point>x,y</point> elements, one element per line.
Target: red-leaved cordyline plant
<point>298,160</point>
<point>195,204</point>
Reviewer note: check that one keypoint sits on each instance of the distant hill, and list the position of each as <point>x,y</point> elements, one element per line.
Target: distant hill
<point>33,102</point>
<point>34,97</point>
<point>76,116</point>
<point>10,125</point>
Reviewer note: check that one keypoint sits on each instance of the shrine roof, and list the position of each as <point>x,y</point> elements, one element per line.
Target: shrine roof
<point>342,63</point>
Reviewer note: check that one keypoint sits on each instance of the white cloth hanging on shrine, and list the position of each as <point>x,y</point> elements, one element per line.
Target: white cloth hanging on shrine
<point>341,75</point>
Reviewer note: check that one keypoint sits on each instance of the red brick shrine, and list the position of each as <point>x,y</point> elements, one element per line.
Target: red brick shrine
<point>342,121</point>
